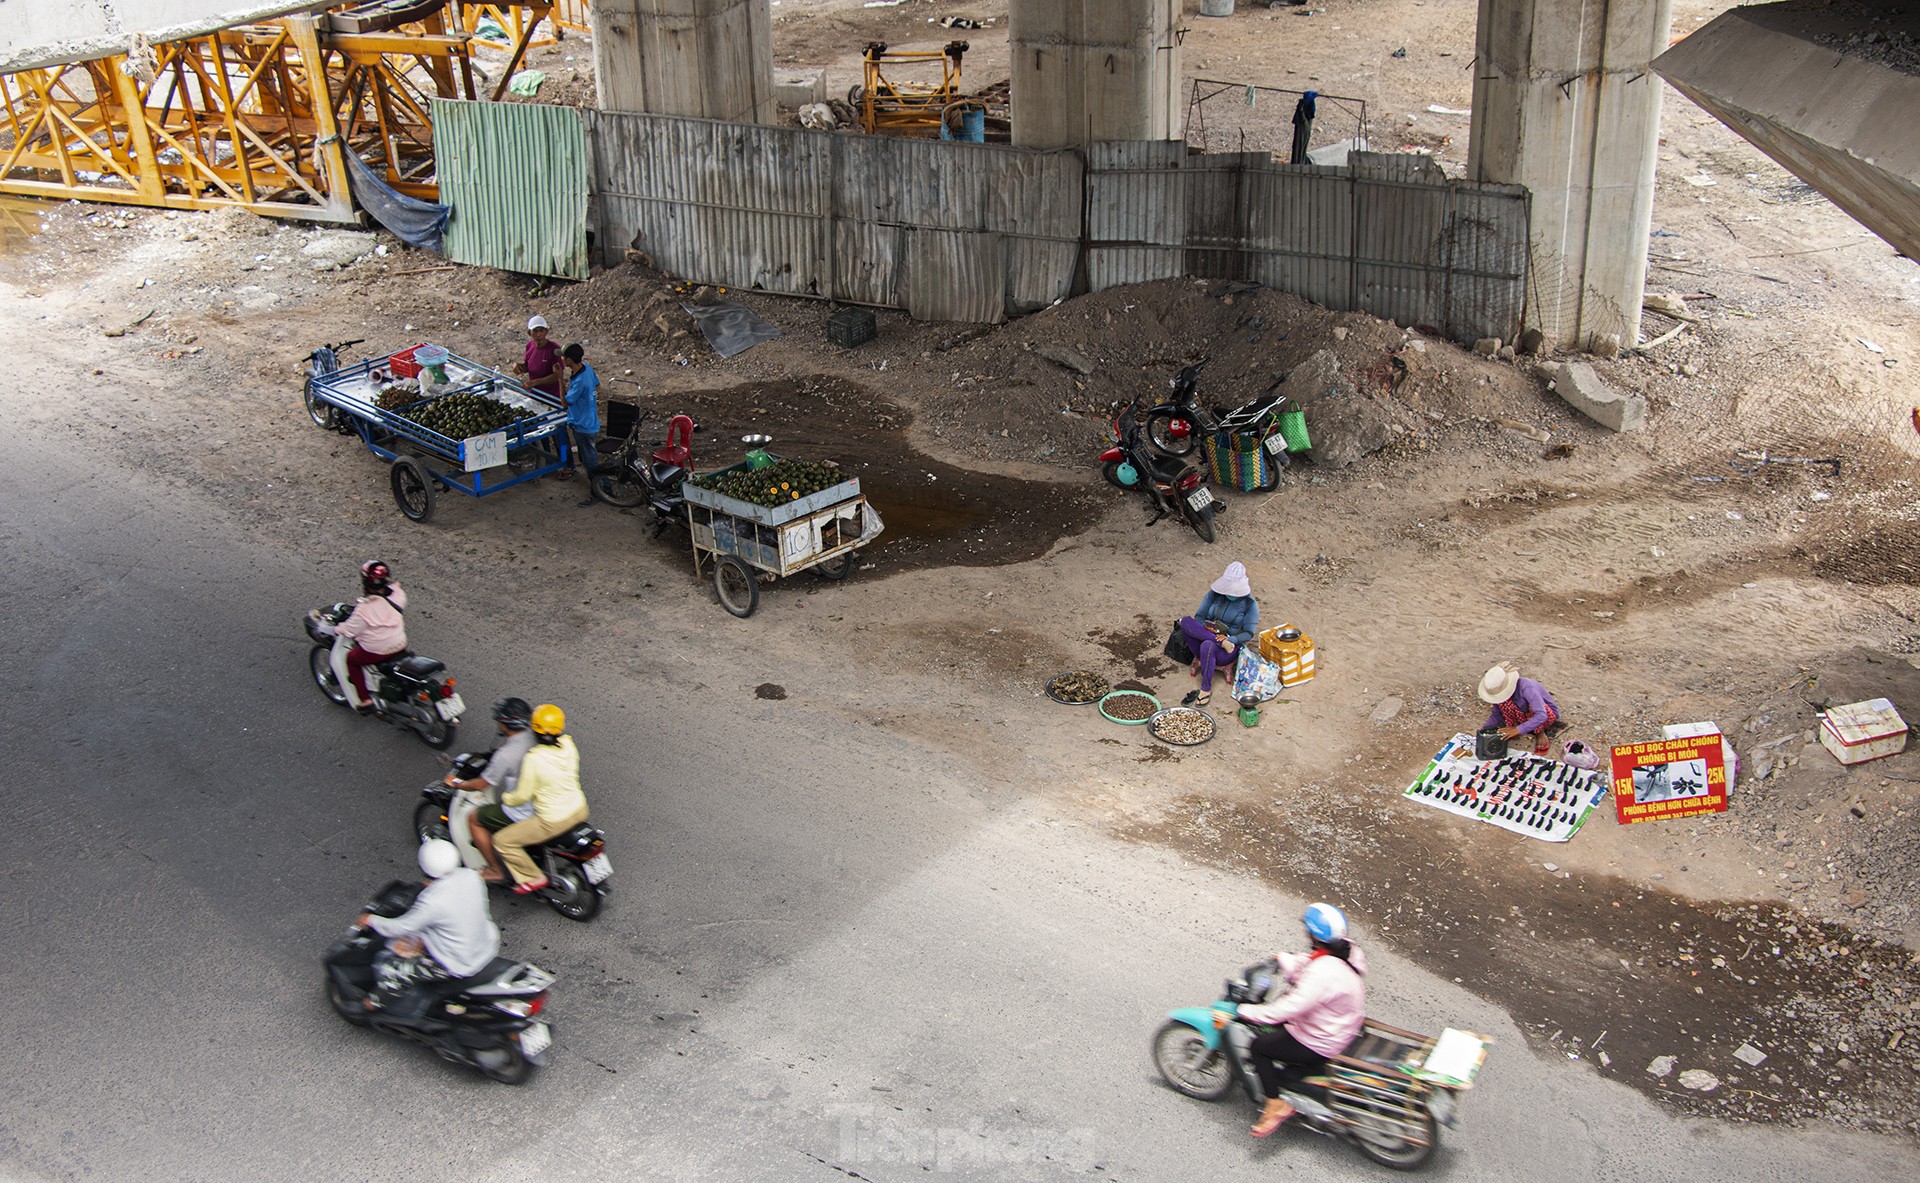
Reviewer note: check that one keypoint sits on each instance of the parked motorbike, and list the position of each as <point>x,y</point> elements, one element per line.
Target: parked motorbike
<point>1366,1096</point>
<point>321,362</point>
<point>489,1021</point>
<point>1171,485</point>
<point>407,691</point>
<point>1175,426</point>
<point>632,475</point>
<point>575,863</point>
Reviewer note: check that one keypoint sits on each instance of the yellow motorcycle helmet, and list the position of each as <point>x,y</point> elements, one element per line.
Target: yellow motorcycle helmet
<point>549,720</point>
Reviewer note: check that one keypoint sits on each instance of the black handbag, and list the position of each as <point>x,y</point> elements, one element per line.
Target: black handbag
<point>1176,647</point>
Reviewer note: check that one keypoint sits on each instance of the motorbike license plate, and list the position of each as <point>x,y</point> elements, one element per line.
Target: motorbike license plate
<point>1276,443</point>
<point>535,1039</point>
<point>450,707</point>
<point>1200,498</point>
<point>597,868</point>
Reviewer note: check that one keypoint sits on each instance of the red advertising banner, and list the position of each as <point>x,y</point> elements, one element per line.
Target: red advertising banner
<point>1666,778</point>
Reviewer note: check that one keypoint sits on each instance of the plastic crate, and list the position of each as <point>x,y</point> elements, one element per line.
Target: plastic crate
<point>852,326</point>
<point>402,363</point>
<point>1295,657</point>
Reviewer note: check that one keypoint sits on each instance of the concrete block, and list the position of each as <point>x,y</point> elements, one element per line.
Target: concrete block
<point>797,88</point>
<point>1487,346</point>
<point>1588,394</point>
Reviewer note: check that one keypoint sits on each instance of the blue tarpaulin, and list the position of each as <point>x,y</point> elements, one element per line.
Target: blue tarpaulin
<point>419,223</point>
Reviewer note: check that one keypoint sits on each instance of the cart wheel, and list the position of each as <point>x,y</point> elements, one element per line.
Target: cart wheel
<point>412,489</point>
<point>838,567</point>
<point>734,583</point>
<point>320,411</point>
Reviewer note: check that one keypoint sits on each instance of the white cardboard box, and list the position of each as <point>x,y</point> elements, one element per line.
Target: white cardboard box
<point>1863,731</point>
<point>1688,730</point>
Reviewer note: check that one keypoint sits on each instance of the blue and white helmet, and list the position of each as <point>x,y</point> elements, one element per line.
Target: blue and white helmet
<point>1325,923</point>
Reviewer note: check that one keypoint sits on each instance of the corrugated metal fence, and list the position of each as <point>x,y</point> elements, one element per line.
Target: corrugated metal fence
<point>516,177</point>
<point>975,232</point>
<point>946,231</point>
<point>1386,234</point>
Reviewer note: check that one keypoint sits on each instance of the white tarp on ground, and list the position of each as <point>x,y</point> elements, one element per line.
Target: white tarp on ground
<point>36,33</point>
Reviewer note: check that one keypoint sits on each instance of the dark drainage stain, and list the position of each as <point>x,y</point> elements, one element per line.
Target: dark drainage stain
<point>772,690</point>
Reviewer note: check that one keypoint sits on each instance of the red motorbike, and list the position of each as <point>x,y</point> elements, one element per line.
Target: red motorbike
<point>1171,484</point>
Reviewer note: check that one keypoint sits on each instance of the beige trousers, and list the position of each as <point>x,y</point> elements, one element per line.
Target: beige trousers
<point>511,843</point>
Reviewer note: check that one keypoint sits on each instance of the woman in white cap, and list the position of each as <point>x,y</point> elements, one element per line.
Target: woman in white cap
<point>1227,618</point>
<point>542,364</point>
<point>1521,706</point>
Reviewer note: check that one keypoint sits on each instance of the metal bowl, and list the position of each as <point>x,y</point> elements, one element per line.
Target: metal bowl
<point>756,440</point>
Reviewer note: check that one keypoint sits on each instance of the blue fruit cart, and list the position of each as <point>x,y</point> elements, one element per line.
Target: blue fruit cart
<point>423,461</point>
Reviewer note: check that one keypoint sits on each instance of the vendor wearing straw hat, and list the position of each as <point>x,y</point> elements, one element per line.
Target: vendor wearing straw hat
<point>1521,706</point>
<point>1227,618</point>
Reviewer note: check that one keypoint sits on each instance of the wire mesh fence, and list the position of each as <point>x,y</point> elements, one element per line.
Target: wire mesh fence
<point>1240,117</point>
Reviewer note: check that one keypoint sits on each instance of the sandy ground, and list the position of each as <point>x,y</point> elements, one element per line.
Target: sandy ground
<point>1644,578</point>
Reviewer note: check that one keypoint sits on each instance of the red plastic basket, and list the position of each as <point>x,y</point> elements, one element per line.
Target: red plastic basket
<point>403,365</point>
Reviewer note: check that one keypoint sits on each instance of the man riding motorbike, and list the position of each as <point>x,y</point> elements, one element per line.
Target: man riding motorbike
<point>375,632</point>
<point>1312,1022</point>
<point>513,717</point>
<point>448,933</point>
<point>550,780</point>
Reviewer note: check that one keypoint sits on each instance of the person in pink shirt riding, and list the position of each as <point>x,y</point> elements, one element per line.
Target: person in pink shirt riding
<point>1316,1019</point>
<point>377,630</point>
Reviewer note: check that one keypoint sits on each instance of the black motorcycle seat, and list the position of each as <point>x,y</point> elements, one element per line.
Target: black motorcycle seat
<point>418,668</point>
<point>666,474</point>
<point>1168,466</point>
<point>390,663</point>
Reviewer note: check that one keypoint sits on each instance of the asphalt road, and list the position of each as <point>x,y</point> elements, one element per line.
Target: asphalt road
<point>827,956</point>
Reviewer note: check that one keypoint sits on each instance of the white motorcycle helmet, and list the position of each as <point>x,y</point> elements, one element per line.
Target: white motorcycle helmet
<point>439,857</point>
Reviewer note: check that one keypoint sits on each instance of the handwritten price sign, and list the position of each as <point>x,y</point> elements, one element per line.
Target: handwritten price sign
<point>484,451</point>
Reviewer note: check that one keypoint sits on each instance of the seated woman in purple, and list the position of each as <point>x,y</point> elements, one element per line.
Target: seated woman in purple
<point>1227,618</point>
<point>1521,706</point>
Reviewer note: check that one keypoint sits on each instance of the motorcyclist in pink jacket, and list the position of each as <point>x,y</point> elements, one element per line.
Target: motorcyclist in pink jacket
<point>1316,1019</point>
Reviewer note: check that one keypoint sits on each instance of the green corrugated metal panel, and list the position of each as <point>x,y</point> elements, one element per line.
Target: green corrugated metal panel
<point>516,177</point>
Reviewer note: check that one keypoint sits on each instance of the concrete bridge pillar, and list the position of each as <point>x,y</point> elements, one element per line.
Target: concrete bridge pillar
<point>1566,103</point>
<point>712,59</point>
<point>1088,70</point>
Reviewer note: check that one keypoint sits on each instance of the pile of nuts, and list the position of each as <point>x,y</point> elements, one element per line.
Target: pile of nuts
<point>1182,725</point>
<point>1130,705</point>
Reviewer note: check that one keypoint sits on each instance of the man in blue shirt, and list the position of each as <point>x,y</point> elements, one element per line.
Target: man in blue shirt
<point>583,412</point>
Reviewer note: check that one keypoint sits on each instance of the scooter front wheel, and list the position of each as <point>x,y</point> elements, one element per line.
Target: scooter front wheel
<point>430,821</point>
<point>347,1006</point>
<point>320,664</point>
<point>1188,1064</point>
<point>1162,434</point>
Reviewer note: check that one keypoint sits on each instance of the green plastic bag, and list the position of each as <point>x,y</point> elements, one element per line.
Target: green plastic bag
<point>1293,427</point>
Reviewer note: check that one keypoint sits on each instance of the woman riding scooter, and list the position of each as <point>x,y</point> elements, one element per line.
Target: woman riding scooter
<point>1315,1020</point>
<point>376,632</point>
